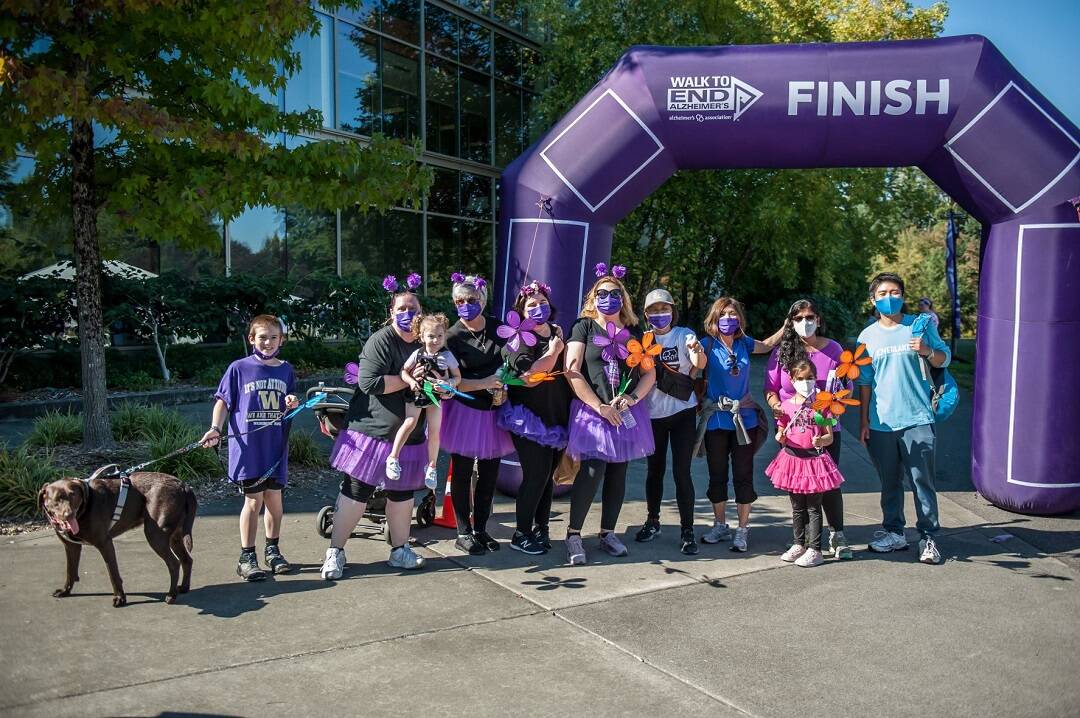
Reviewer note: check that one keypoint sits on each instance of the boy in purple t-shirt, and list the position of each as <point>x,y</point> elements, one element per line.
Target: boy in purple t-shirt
<point>253,394</point>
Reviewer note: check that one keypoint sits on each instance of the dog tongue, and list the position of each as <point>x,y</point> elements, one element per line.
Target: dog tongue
<point>73,525</point>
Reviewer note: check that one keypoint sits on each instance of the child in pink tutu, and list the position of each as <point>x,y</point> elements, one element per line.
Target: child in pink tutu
<point>802,467</point>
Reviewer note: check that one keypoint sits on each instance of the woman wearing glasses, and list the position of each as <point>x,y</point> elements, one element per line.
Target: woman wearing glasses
<point>728,349</point>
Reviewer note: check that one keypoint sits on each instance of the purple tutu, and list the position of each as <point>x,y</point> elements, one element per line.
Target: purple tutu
<point>472,432</point>
<point>363,457</point>
<point>520,421</point>
<point>812,475</point>
<point>592,437</point>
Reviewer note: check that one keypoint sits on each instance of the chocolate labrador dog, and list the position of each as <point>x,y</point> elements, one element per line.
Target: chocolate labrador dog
<point>82,511</point>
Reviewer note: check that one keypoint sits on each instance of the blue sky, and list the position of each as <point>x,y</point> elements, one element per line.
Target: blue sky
<point>1041,38</point>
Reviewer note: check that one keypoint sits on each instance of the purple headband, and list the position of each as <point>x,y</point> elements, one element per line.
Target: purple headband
<point>459,278</point>
<point>390,283</point>
<point>618,271</point>
<point>533,287</point>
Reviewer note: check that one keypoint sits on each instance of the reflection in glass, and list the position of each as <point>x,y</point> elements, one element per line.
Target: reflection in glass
<point>311,247</point>
<point>510,12</point>
<point>375,245</point>
<point>475,46</point>
<point>312,87</point>
<point>401,91</point>
<point>441,31</point>
<point>507,59</point>
<point>444,193</point>
<point>401,18</point>
<point>257,241</point>
<point>475,196</point>
<point>476,247</point>
<point>441,107</point>
<point>508,130</point>
<point>366,14</point>
<point>357,80</point>
<point>444,254</point>
<point>475,116</point>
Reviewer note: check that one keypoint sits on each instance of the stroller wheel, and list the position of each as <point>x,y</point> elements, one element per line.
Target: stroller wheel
<point>425,512</point>
<point>324,521</point>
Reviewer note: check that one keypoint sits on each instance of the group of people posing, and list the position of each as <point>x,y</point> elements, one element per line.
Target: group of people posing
<point>619,387</point>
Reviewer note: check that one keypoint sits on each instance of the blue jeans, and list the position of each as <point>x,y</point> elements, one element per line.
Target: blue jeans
<point>908,452</point>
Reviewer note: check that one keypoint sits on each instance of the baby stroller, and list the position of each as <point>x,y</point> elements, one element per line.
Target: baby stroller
<point>331,413</point>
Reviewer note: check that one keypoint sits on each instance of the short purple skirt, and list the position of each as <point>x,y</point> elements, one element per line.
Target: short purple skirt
<point>520,421</point>
<point>364,458</point>
<point>472,432</point>
<point>592,437</point>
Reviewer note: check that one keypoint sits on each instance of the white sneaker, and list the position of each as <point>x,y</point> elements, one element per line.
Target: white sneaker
<point>812,557</point>
<point>719,532</point>
<point>928,552</point>
<point>405,557</point>
<point>793,553</point>
<point>886,541</point>
<point>333,565</point>
<point>393,468</point>
<point>431,478</point>
<point>838,546</point>
<point>739,542</point>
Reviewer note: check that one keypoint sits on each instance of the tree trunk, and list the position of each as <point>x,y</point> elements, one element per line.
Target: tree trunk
<point>97,433</point>
<point>165,373</point>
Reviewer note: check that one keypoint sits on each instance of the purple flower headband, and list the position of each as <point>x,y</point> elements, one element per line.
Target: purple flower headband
<point>390,283</point>
<point>618,271</point>
<point>533,287</point>
<point>459,278</point>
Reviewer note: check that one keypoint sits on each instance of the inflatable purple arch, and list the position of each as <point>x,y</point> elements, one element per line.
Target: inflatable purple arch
<point>954,107</point>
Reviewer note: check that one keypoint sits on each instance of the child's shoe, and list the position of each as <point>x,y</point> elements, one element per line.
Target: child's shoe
<point>334,564</point>
<point>812,557</point>
<point>839,547</point>
<point>431,477</point>
<point>247,567</point>
<point>393,468</point>
<point>275,561</point>
<point>793,553</point>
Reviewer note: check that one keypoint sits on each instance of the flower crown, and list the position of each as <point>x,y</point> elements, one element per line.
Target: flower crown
<point>459,278</point>
<point>533,287</point>
<point>618,271</point>
<point>391,284</point>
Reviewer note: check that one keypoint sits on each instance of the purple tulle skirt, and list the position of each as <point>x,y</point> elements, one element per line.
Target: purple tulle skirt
<point>592,437</point>
<point>364,458</point>
<point>472,432</point>
<point>519,420</point>
<point>813,475</point>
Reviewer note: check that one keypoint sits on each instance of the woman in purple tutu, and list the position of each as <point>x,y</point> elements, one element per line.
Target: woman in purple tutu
<point>375,413</point>
<point>469,432</point>
<point>609,424</point>
<point>536,415</point>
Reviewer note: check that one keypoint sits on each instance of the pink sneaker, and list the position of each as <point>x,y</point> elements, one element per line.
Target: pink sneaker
<point>812,557</point>
<point>793,553</point>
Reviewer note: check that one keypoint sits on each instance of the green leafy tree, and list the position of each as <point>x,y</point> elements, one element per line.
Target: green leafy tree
<point>35,316</point>
<point>154,114</point>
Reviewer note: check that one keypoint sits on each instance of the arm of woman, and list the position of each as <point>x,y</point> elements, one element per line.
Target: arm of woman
<point>575,358</point>
<point>772,385</point>
<point>373,373</point>
<point>548,360</point>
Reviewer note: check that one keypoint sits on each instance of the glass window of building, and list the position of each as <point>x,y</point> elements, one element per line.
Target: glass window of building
<point>444,254</point>
<point>477,247</point>
<point>366,14</point>
<point>474,45</point>
<point>374,245</point>
<point>475,116</point>
<point>401,90</point>
<point>475,196</point>
<point>401,19</point>
<point>311,247</point>
<point>442,96</point>
<point>507,59</point>
<point>443,197</point>
<point>508,127</point>
<point>441,31</point>
<point>312,87</point>
<point>257,242</point>
<point>510,13</point>
<point>357,80</point>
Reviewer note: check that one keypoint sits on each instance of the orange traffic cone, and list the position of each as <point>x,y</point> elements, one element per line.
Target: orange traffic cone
<point>446,518</point>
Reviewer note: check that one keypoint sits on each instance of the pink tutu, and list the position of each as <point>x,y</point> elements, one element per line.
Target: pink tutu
<point>363,457</point>
<point>592,437</point>
<point>472,432</point>
<point>811,475</point>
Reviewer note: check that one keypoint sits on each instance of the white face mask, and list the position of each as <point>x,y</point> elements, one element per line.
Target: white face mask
<point>805,327</point>
<point>806,387</point>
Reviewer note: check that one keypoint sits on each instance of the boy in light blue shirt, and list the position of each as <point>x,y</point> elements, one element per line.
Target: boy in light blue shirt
<point>897,418</point>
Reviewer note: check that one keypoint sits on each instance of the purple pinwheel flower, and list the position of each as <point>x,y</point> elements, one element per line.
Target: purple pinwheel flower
<point>390,283</point>
<point>614,343</point>
<point>351,371</point>
<point>600,269</point>
<point>517,330</point>
<point>457,277</point>
<point>618,271</point>
<point>413,280</point>
<point>479,283</point>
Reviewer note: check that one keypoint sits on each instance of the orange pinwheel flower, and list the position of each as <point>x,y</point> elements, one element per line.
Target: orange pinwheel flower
<point>836,403</point>
<point>538,376</point>
<point>643,352</point>
<point>850,363</point>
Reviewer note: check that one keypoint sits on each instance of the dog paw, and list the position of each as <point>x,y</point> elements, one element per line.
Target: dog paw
<point>119,601</point>
<point>170,598</point>
<point>61,592</point>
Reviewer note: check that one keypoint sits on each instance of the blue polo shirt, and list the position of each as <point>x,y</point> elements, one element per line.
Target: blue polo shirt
<point>722,383</point>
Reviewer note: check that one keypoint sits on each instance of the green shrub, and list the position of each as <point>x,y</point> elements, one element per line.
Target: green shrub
<point>135,421</point>
<point>54,429</point>
<point>22,474</point>
<point>194,465</point>
<point>208,376</point>
<point>139,380</point>
<point>304,451</point>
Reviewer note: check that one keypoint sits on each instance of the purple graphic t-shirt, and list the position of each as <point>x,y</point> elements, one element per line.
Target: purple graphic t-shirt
<point>255,394</point>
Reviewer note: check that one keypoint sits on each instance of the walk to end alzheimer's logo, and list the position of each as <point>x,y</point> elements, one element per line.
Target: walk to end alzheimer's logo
<point>709,97</point>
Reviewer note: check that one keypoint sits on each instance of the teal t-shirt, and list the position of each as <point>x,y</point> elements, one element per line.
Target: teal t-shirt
<point>900,394</point>
<point>722,383</point>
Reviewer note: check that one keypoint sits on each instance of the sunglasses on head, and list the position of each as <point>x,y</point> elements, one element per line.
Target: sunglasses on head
<point>604,293</point>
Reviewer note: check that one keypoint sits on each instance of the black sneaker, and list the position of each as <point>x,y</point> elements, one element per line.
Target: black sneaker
<point>649,531</point>
<point>486,541</point>
<point>542,537</point>
<point>469,545</point>
<point>689,542</point>
<point>526,544</point>
<point>275,561</point>
<point>248,569</point>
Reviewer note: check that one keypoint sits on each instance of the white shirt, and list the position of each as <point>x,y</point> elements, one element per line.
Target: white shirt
<point>675,355</point>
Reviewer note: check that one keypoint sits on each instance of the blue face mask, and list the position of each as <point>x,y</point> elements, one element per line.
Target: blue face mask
<point>539,313</point>
<point>889,305</point>
<point>265,357</point>
<point>404,320</point>
<point>609,305</point>
<point>468,311</point>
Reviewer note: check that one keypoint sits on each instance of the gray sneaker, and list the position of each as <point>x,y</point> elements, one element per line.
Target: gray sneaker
<point>405,557</point>
<point>611,543</point>
<point>719,532</point>
<point>739,542</point>
<point>575,552</point>
<point>839,546</point>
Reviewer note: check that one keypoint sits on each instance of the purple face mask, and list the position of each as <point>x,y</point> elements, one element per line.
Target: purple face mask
<point>404,320</point>
<point>728,325</point>
<point>659,321</point>
<point>265,357</point>
<point>468,311</point>
<point>540,313</point>
<point>609,305</point>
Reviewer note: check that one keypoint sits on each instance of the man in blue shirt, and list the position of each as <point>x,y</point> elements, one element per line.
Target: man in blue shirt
<point>897,418</point>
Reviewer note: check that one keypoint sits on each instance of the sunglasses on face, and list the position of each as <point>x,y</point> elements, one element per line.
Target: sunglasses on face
<point>806,316</point>
<point>605,293</point>
<point>467,300</point>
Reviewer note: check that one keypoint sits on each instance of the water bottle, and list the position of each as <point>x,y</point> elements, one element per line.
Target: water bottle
<point>628,420</point>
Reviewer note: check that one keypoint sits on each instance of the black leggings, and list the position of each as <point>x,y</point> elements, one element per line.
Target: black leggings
<point>592,472</point>
<point>680,429</point>
<point>482,495</point>
<point>538,463</point>
<point>832,502</point>
<point>806,519</point>
<point>359,491</point>
<point>720,444</point>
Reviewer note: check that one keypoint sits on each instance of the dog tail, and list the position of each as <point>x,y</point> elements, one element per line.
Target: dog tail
<point>189,520</point>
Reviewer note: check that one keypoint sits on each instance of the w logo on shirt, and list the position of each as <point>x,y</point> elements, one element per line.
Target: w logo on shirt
<point>270,400</point>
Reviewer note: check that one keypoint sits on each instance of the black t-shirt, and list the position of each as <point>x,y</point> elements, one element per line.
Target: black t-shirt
<point>371,412</point>
<point>549,400</point>
<point>479,355</point>
<point>595,365</point>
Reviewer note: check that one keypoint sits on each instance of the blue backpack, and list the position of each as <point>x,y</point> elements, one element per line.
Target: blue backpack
<point>944,394</point>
